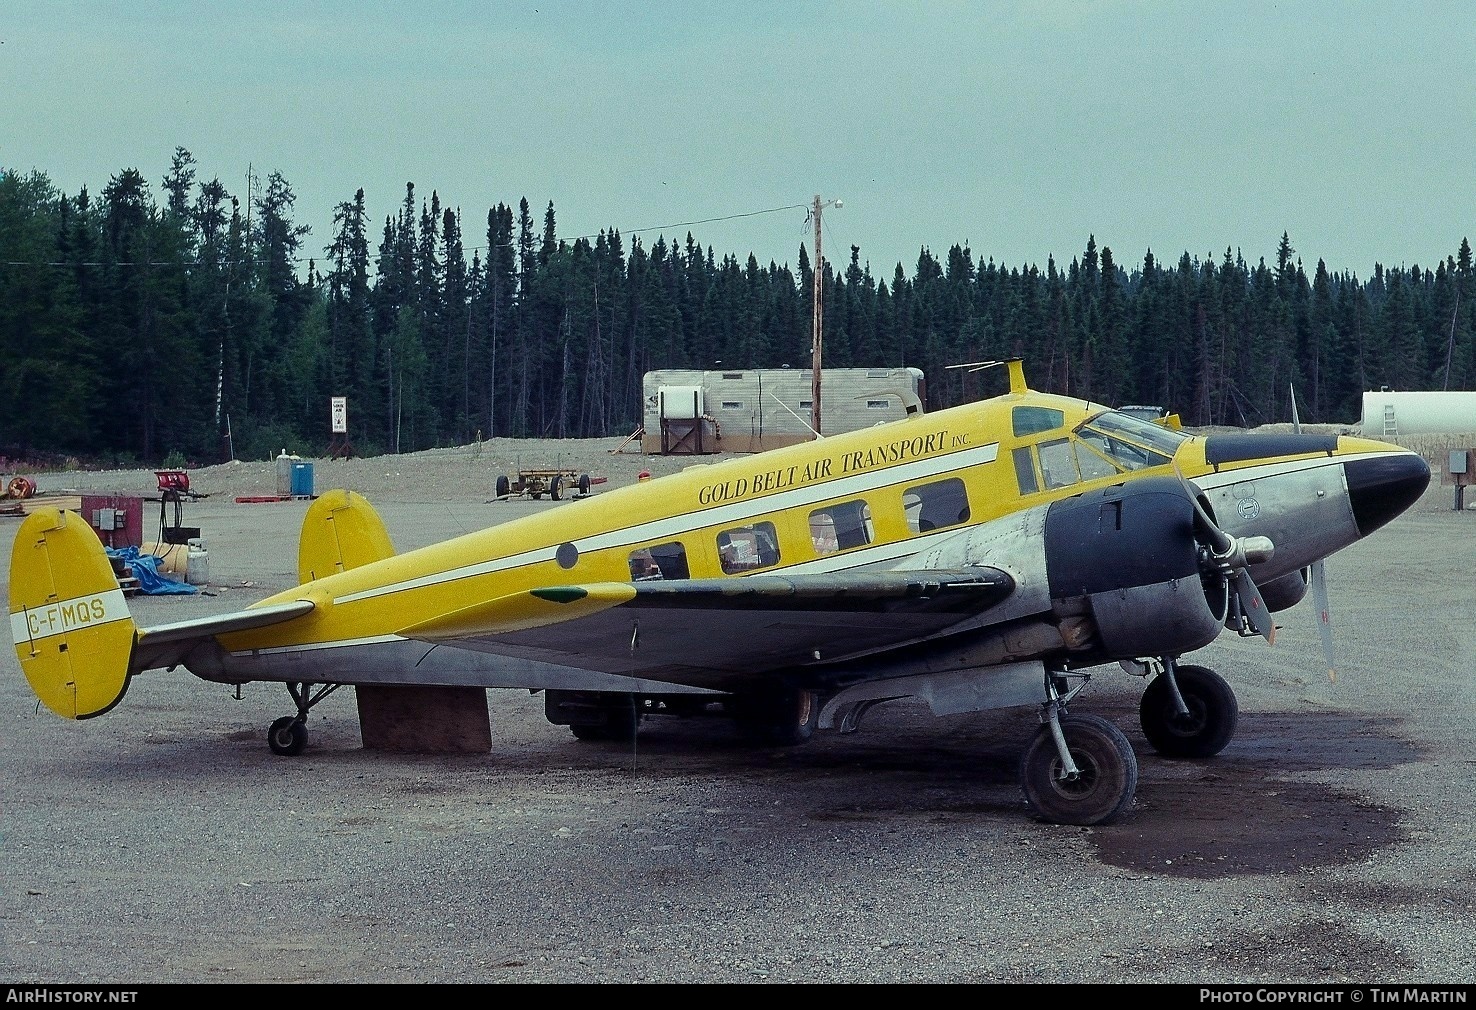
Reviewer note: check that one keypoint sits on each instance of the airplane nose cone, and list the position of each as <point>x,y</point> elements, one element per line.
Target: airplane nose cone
<point>1381,487</point>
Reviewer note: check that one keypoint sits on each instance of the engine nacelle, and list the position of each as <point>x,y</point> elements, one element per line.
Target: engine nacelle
<point>1126,557</point>
<point>1287,591</point>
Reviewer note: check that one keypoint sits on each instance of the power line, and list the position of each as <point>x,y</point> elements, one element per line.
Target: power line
<point>472,248</point>
<point>688,224</point>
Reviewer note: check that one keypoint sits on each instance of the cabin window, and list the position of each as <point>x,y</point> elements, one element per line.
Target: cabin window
<point>878,404</point>
<point>936,506</point>
<point>746,548</point>
<point>659,561</point>
<point>1034,420</point>
<point>1058,464</point>
<point>841,527</point>
<point>1025,470</point>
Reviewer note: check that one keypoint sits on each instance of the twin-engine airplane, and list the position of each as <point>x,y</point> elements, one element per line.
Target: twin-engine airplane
<point>981,557</point>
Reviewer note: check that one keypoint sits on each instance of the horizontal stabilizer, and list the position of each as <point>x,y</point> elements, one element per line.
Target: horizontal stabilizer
<point>167,644</point>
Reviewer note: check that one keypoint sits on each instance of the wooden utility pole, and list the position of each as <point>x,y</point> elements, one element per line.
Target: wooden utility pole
<point>815,324</point>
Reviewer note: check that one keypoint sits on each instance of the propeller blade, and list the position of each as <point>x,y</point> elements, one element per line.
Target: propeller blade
<point>1324,618</point>
<point>1253,607</point>
<point>1222,542</point>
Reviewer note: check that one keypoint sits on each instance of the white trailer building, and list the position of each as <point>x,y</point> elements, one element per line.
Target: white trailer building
<point>690,411</point>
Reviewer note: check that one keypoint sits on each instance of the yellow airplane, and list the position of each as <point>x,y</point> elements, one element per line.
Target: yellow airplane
<point>985,556</point>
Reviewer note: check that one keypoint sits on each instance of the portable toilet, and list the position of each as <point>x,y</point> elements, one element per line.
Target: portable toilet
<point>302,480</point>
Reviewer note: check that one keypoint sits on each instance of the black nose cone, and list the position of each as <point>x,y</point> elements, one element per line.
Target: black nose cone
<point>1382,487</point>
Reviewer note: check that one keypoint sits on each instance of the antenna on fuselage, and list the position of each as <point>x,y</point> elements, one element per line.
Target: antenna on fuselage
<point>1016,365</point>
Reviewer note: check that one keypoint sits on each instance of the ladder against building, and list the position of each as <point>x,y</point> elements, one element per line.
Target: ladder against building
<point>1391,429</point>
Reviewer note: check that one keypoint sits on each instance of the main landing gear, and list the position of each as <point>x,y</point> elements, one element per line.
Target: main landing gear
<point>288,735</point>
<point>1079,769</point>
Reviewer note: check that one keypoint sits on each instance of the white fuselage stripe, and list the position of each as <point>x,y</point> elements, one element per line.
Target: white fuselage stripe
<point>672,526</point>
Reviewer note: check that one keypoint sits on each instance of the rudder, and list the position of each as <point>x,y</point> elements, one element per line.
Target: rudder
<point>340,531</point>
<point>69,619</point>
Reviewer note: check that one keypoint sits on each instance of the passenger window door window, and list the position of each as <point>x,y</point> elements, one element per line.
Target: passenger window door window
<point>659,561</point>
<point>936,506</point>
<point>747,548</point>
<point>841,527</point>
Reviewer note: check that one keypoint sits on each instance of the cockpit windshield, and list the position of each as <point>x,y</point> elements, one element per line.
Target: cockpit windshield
<point>1130,442</point>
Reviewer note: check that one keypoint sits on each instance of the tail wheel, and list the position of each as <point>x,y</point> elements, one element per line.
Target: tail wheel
<point>1206,728</point>
<point>1106,777</point>
<point>287,736</point>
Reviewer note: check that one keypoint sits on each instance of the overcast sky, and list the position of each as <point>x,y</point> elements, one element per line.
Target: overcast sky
<point>1017,129</point>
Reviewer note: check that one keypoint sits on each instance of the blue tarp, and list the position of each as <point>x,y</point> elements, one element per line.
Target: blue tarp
<point>146,571</point>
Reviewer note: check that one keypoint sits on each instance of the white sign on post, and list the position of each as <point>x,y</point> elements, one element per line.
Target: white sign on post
<point>340,415</point>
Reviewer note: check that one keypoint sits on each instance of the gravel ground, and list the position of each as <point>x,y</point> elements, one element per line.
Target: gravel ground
<point>163,842</point>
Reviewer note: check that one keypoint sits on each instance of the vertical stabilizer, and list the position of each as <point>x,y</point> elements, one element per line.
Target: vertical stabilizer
<point>72,629</point>
<point>340,531</point>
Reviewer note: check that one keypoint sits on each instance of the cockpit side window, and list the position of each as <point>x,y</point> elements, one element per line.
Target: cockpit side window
<point>1125,451</point>
<point>1136,431</point>
<point>1058,463</point>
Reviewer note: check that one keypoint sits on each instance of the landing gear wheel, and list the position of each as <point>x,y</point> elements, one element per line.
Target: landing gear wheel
<point>1107,772</point>
<point>504,486</point>
<point>288,736</point>
<point>1204,732</point>
<point>611,717</point>
<point>555,488</point>
<point>783,717</point>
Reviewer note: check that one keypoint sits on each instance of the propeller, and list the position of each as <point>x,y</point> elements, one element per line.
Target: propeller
<point>1232,557</point>
<point>1318,579</point>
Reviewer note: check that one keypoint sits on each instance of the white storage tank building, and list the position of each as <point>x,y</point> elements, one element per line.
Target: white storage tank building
<point>1388,414</point>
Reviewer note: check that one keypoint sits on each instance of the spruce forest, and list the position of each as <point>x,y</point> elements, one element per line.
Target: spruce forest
<point>138,329</point>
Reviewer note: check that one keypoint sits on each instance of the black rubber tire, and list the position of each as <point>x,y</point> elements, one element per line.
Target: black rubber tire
<point>555,487</point>
<point>287,736</point>
<point>504,486</point>
<point>781,717</point>
<point>1108,767</point>
<point>622,722</point>
<point>583,484</point>
<point>1210,724</point>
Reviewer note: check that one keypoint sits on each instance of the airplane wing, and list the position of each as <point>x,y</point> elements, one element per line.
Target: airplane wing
<point>703,631</point>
